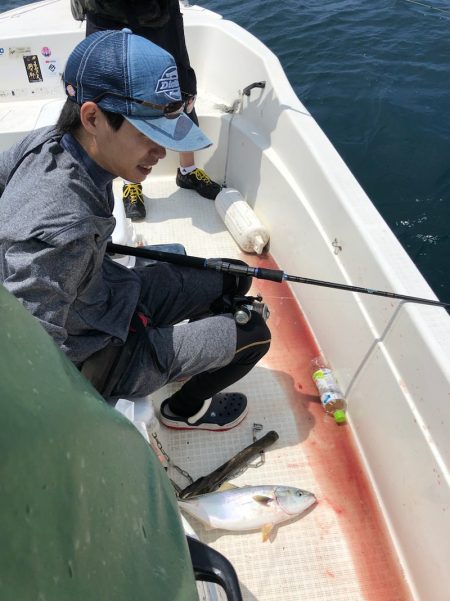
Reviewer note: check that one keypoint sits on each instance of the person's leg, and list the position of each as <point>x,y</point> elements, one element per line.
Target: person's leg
<point>96,23</point>
<point>172,293</point>
<point>166,353</point>
<point>189,176</point>
<point>187,159</point>
<point>252,343</point>
<point>214,351</point>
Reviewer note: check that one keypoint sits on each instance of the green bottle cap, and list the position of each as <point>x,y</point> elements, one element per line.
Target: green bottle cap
<point>340,416</point>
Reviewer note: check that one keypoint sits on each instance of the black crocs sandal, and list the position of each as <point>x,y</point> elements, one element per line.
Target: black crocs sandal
<point>223,412</point>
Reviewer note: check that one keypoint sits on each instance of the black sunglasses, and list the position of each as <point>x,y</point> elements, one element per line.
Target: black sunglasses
<point>171,110</point>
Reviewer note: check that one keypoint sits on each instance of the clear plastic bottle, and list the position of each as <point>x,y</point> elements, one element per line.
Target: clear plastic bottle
<point>331,396</point>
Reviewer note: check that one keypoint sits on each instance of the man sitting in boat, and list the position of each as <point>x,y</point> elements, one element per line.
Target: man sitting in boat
<point>123,109</point>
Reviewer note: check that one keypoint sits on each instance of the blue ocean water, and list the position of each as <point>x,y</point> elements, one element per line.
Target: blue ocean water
<point>376,77</point>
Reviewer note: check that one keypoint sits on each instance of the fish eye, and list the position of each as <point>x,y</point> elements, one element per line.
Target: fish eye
<point>299,493</point>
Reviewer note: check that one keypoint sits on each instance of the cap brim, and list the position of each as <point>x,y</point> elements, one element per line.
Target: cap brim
<point>180,134</point>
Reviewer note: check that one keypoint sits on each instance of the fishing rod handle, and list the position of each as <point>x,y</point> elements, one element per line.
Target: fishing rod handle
<point>274,275</point>
<point>156,255</point>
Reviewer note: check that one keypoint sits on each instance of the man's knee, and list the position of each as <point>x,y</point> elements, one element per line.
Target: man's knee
<point>253,339</point>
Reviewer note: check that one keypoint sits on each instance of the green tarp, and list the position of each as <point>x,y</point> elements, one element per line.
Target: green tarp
<point>86,510</point>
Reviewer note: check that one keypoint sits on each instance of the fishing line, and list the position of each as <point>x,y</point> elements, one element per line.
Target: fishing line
<point>442,10</point>
<point>262,273</point>
<point>279,297</point>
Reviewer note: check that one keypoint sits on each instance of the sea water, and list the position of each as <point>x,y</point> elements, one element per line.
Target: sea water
<point>376,77</point>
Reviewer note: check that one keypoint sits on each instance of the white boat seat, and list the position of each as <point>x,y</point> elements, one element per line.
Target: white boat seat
<point>19,118</point>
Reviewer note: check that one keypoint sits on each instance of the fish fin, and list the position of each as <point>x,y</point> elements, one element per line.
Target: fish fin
<point>227,486</point>
<point>266,530</point>
<point>263,499</point>
<point>202,521</point>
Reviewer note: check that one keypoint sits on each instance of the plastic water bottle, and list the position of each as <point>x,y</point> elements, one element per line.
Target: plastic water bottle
<point>331,396</point>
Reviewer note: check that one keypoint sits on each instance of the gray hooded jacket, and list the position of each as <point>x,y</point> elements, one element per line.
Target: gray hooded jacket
<point>54,226</point>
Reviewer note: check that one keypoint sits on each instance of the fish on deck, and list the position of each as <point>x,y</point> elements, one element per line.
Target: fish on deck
<point>249,507</point>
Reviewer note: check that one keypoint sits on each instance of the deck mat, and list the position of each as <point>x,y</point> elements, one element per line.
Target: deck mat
<point>340,549</point>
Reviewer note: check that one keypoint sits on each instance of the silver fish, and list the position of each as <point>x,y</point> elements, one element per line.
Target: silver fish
<point>248,507</point>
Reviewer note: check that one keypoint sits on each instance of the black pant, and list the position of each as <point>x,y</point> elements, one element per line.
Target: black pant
<point>109,369</point>
<point>253,342</point>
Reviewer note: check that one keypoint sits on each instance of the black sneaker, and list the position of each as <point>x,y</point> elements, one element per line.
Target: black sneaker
<point>133,200</point>
<point>200,182</point>
<point>224,411</point>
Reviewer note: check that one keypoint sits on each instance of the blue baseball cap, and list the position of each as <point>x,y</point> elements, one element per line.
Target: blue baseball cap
<point>125,73</point>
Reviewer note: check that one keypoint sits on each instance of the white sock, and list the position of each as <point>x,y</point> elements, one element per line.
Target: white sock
<point>186,170</point>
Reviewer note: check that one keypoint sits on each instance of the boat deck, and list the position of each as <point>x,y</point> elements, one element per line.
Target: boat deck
<point>340,549</point>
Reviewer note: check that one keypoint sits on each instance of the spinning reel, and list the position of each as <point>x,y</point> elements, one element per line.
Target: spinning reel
<point>242,308</point>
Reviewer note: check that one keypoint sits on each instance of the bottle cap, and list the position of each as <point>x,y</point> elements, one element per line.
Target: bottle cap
<point>258,244</point>
<point>340,416</point>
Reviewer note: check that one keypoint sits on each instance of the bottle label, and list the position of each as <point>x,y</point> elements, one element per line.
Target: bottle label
<point>330,397</point>
<point>325,381</point>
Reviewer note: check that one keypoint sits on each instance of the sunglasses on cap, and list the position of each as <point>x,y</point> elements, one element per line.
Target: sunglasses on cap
<point>171,110</point>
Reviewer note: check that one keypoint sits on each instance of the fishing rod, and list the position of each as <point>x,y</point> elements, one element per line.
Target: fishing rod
<point>262,273</point>
<point>430,6</point>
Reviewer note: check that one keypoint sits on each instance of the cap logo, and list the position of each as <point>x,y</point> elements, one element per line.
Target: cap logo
<point>168,84</point>
<point>70,90</point>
